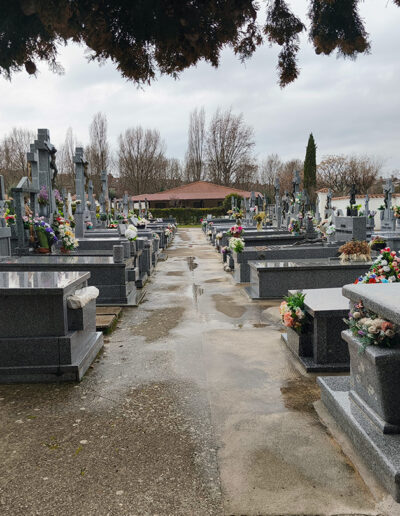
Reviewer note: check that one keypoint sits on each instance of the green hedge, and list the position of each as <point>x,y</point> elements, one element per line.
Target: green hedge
<point>186,215</point>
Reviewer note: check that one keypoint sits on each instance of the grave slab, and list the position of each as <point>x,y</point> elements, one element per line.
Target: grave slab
<point>42,338</point>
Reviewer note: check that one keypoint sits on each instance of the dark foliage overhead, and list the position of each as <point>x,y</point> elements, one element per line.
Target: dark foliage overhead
<point>146,37</point>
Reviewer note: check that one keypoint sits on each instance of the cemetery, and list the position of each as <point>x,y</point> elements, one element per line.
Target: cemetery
<point>199,320</point>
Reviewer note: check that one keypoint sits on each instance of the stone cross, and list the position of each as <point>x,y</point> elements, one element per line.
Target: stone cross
<point>296,183</point>
<point>104,191</point>
<point>92,202</point>
<point>146,208</point>
<point>65,206</point>
<point>232,203</point>
<point>140,209</point>
<point>2,203</point>
<point>69,205</point>
<point>366,205</point>
<point>252,200</point>
<point>43,168</point>
<point>388,190</point>
<point>125,204</point>
<point>80,192</point>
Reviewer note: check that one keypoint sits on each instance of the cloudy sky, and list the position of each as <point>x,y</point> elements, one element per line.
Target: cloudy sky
<point>350,106</point>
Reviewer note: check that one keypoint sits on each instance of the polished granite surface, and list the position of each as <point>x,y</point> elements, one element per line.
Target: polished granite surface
<point>34,281</point>
<point>55,259</point>
<point>305,263</point>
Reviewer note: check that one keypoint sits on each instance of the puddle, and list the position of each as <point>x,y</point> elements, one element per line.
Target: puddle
<point>159,323</point>
<point>197,292</point>
<point>300,394</point>
<point>169,288</point>
<point>227,306</point>
<point>191,263</point>
<point>175,273</point>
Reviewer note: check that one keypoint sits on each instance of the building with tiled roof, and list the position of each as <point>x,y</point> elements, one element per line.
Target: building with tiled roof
<point>200,194</point>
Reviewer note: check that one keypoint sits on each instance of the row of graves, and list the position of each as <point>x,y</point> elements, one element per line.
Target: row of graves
<point>340,281</point>
<point>62,258</point>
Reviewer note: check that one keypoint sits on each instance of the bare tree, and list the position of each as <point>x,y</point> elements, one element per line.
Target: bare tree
<point>98,151</point>
<point>141,159</point>
<point>65,162</point>
<point>286,173</point>
<point>229,147</point>
<point>340,172</point>
<point>195,154</point>
<point>13,149</point>
<point>269,169</point>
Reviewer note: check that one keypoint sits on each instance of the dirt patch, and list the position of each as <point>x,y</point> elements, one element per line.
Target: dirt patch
<point>175,273</point>
<point>259,325</point>
<point>159,323</point>
<point>300,394</point>
<point>228,306</point>
<point>215,280</point>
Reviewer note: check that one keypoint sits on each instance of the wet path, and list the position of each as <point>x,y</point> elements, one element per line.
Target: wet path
<point>194,408</point>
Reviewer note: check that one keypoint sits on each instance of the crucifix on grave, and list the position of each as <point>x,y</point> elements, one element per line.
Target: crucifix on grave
<point>43,169</point>
<point>24,195</point>
<point>104,201</point>
<point>146,208</point>
<point>2,203</point>
<point>125,205</point>
<point>295,191</point>
<point>278,207</point>
<point>388,221</point>
<point>92,203</point>
<point>328,205</point>
<point>80,181</point>
<point>352,212</point>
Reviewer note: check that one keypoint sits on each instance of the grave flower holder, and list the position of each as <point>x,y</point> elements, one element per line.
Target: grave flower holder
<point>301,344</point>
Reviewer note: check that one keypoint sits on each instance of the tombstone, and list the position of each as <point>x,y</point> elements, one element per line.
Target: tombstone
<point>328,205</point>
<point>125,205</point>
<point>42,159</point>
<point>104,206</point>
<point>80,180</point>
<point>92,202</point>
<point>370,220</point>
<point>65,204</point>
<point>317,213</point>
<point>131,204</point>
<point>352,212</point>
<point>388,222</point>
<point>140,209</point>
<point>295,192</point>
<point>70,215</point>
<point>146,208</point>
<point>23,189</point>
<point>5,232</point>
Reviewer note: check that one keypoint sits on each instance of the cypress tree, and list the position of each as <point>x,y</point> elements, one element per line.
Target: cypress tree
<point>310,166</point>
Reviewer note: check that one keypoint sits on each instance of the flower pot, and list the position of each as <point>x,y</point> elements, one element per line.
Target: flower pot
<point>378,247</point>
<point>301,345</point>
<point>42,210</point>
<point>65,251</point>
<point>375,382</point>
<point>43,250</point>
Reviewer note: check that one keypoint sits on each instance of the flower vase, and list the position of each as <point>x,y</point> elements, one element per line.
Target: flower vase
<point>330,238</point>
<point>43,242</point>
<point>42,210</point>
<point>64,250</point>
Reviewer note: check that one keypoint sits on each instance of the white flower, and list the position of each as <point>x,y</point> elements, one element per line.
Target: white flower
<point>384,262</point>
<point>386,268</point>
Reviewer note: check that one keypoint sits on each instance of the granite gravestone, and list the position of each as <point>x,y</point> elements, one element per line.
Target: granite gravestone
<point>388,222</point>
<point>65,342</point>
<point>42,159</point>
<point>5,232</point>
<point>92,203</point>
<point>80,181</point>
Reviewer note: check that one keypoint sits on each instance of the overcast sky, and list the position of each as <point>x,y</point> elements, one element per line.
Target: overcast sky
<point>350,106</point>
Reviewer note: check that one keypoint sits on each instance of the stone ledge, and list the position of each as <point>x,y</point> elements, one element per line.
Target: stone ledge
<point>381,452</point>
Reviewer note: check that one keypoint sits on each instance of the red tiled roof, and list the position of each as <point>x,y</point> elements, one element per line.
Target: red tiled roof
<point>197,190</point>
